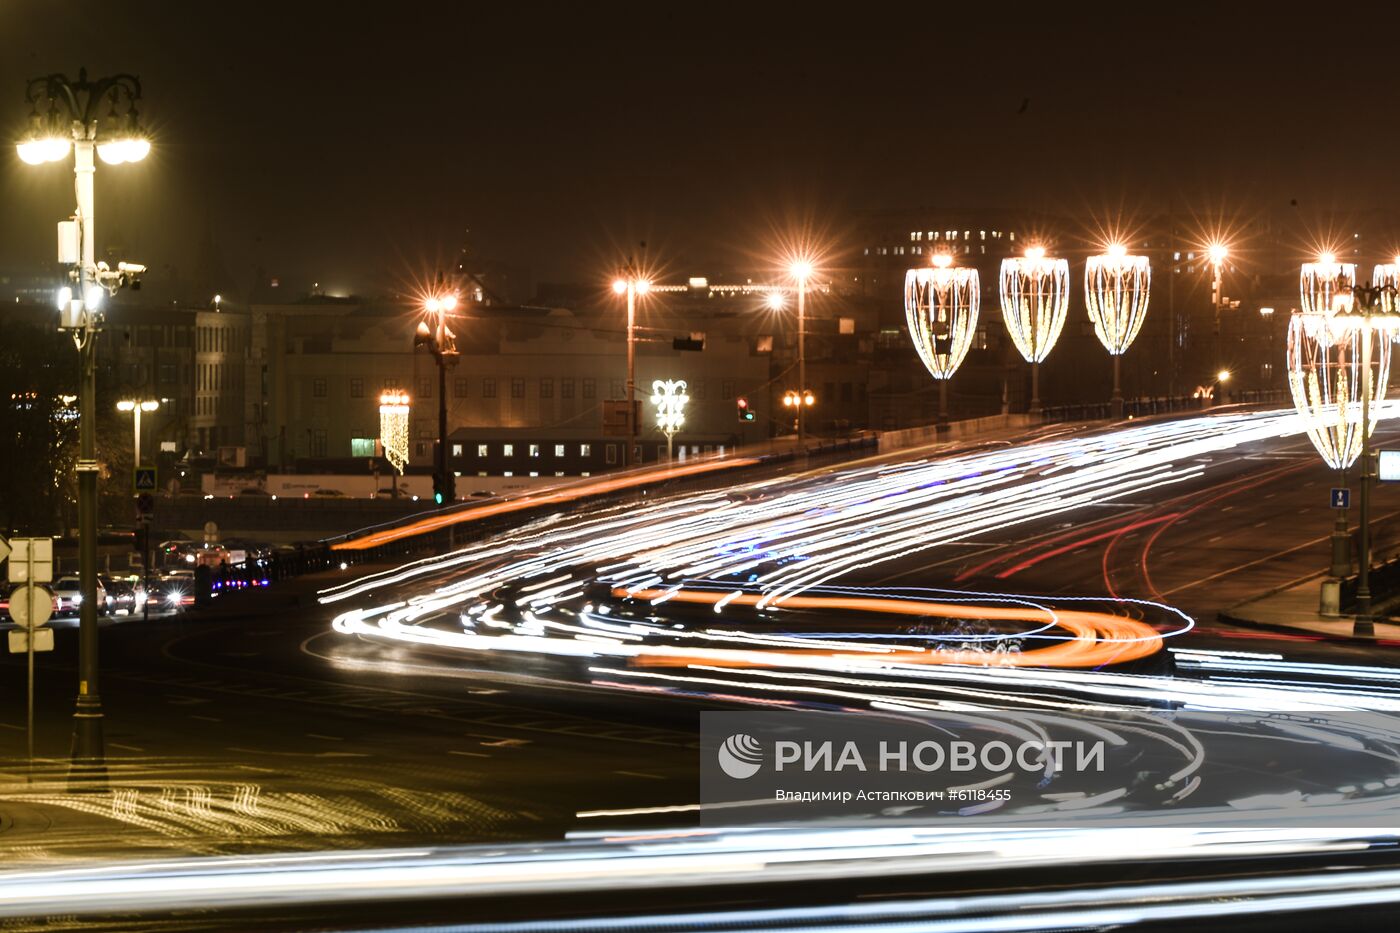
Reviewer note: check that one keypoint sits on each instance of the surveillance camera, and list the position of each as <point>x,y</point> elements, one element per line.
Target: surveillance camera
<point>131,268</point>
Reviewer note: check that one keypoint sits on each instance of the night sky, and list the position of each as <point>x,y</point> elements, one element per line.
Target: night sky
<point>320,143</point>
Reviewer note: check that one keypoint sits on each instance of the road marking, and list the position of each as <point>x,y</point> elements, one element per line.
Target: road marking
<point>1215,539</point>
<point>130,748</point>
<point>206,718</point>
<point>453,751</point>
<point>184,701</point>
<point>506,743</point>
<point>6,725</point>
<point>328,738</point>
<point>641,774</point>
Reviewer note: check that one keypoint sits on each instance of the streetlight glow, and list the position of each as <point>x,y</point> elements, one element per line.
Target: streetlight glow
<point>1218,252</point>
<point>775,301</point>
<point>801,269</point>
<point>619,286</point>
<point>1223,375</point>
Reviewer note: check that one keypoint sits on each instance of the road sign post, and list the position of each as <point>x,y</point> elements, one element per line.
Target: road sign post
<point>1341,497</point>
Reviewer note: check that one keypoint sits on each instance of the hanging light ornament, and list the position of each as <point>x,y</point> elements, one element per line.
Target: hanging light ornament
<point>1116,289</point>
<point>1328,356</point>
<point>393,428</point>
<point>1034,302</point>
<point>941,304</point>
<point>1320,283</point>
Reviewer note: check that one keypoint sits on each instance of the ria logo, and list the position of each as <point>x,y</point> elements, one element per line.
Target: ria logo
<point>741,756</point>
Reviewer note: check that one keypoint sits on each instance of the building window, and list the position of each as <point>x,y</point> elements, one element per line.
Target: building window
<point>617,389</point>
<point>726,389</point>
<point>566,388</point>
<point>357,388</point>
<point>590,388</point>
<point>508,450</point>
<point>318,388</point>
<point>585,450</point>
<point>425,387</point>
<point>488,387</point>
<point>612,453</point>
<point>546,388</point>
<point>318,442</point>
<point>481,450</point>
<point>534,450</point>
<point>764,344</point>
<point>558,450</point>
<point>459,387</point>
<point>362,447</point>
<point>517,388</point>
<point>456,450</point>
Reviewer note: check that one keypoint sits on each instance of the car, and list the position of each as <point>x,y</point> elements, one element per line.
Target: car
<point>171,593</point>
<point>121,595</point>
<point>68,597</point>
<point>254,492</point>
<point>483,494</point>
<point>328,494</point>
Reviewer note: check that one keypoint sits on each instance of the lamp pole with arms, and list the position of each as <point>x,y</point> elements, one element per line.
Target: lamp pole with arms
<point>72,122</point>
<point>632,284</point>
<point>434,333</point>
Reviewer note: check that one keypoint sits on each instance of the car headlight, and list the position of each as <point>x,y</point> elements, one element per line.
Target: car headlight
<point>175,597</point>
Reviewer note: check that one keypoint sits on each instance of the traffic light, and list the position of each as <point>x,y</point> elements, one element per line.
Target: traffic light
<point>444,488</point>
<point>745,412</point>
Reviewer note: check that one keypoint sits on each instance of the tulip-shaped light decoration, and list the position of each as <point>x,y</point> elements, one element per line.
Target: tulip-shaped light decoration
<point>1386,278</point>
<point>941,304</point>
<point>1320,283</point>
<point>670,398</point>
<point>1328,357</point>
<point>1034,302</point>
<point>393,427</point>
<point>1116,289</point>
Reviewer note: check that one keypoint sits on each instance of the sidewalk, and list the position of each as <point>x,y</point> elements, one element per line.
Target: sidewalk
<point>1294,609</point>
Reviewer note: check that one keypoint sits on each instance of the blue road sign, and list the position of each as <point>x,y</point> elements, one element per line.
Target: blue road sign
<point>144,479</point>
<point>1341,498</point>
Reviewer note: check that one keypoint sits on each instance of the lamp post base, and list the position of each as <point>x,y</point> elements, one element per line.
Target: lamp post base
<point>87,766</point>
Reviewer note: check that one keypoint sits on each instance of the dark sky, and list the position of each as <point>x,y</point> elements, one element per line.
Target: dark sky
<point>354,143</point>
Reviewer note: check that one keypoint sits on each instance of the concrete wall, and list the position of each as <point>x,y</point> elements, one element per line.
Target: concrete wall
<point>956,430</point>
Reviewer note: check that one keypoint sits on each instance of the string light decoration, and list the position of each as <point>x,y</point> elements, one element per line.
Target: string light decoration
<point>1320,283</point>
<point>1328,356</point>
<point>1034,304</point>
<point>1116,289</point>
<point>941,304</point>
<point>670,398</point>
<point>393,427</point>
<point>1386,277</point>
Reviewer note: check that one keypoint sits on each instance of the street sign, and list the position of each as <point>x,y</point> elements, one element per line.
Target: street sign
<point>19,640</point>
<point>31,560</point>
<point>4,548</point>
<point>143,479</point>
<point>30,606</point>
<point>1388,466</point>
<point>1341,498</point>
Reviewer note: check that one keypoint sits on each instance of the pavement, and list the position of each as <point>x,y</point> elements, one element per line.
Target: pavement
<point>1295,610</point>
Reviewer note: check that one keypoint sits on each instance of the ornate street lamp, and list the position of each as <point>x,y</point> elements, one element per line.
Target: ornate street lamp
<point>393,428</point>
<point>633,284</point>
<point>441,342</point>
<point>670,398</point>
<point>1319,283</point>
<point>1338,365</point>
<point>73,121</point>
<point>1034,302</point>
<point>940,305</point>
<point>1116,289</point>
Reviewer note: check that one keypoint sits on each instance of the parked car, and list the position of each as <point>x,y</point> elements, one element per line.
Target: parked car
<point>121,595</point>
<point>254,492</point>
<point>328,494</point>
<point>68,597</point>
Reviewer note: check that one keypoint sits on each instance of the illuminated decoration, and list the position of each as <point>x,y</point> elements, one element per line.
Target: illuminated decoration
<point>1116,289</point>
<point>670,398</point>
<point>1034,302</point>
<point>1386,278</point>
<point>1328,356</point>
<point>393,428</point>
<point>1320,283</point>
<point>941,304</point>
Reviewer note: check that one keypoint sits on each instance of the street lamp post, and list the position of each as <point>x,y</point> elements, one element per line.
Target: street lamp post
<point>136,407</point>
<point>941,303</point>
<point>1217,253</point>
<point>442,343</point>
<point>801,270</point>
<point>73,123</point>
<point>1034,304</point>
<point>632,284</point>
<point>670,398</point>
<point>1116,289</point>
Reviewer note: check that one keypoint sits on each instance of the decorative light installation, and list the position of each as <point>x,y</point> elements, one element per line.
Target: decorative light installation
<point>1034,302</point>
<point>1116,289</point>
<point>941,304</point>
<point>1327,358</point>
<point>393,427</point>
<point>670,398</point>
<point>1321,282</point>
<point>1386,277</point>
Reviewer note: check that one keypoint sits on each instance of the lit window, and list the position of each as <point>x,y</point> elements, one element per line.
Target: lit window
<point>534,450</point>
<point>481,450</point>
<point>585,450</point>
<point>456,450</point>
<point>508,473</point>
<point>558,450</point>
<point>558,472</point>
<point>508,450</point>
<point>534,473</point>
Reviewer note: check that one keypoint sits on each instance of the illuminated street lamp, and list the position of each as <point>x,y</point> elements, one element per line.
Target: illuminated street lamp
<point>393,428</point>
<point>1338,364</point>
<point>1217,253</point>
<point>1320,282</point>
<point>1116,289</point>
<point>775,301</point>
<point>940,306</point>
<point>73,122</point>
<point>801,271</point>
<point>632,284</point>
<point>136,407</point>
<point>1034,303</point>
<point>670,398</point>
<point>795,402</point>
<point>434,334</point>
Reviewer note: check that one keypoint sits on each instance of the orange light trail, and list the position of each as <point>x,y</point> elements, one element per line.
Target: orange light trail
<point>569,494</point>
<point>1098,638</point>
